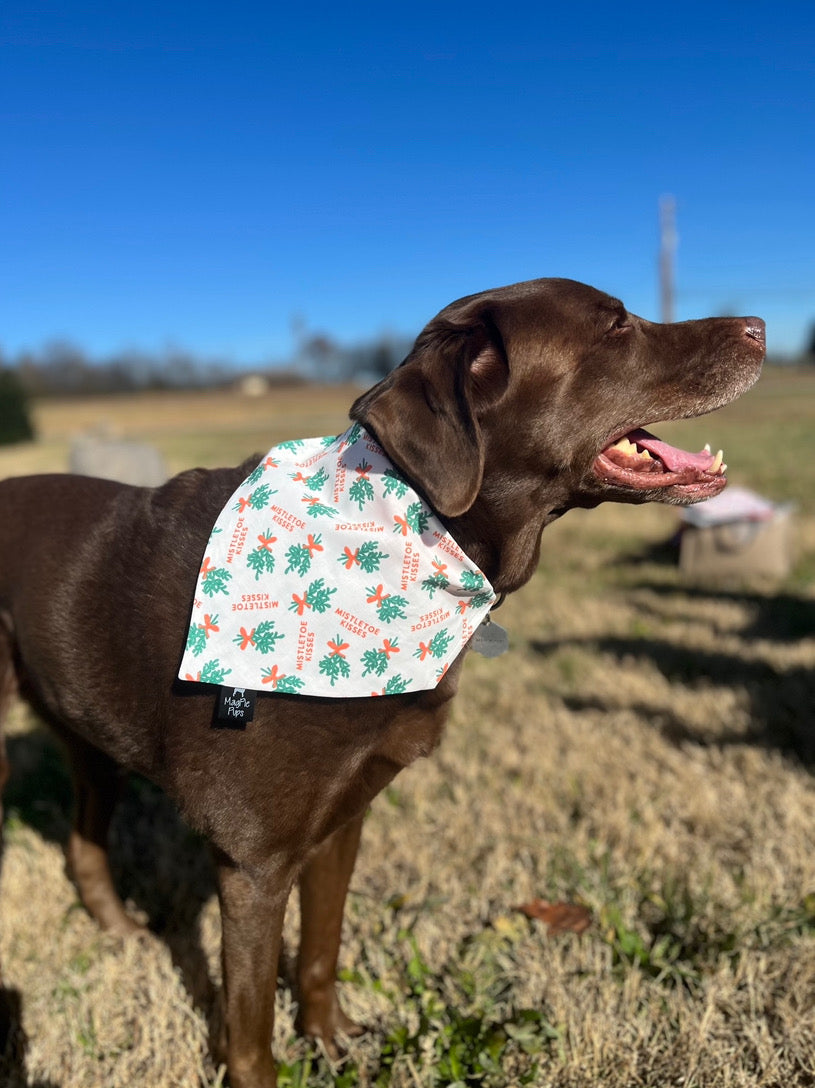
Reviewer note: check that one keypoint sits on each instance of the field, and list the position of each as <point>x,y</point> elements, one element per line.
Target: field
<point>644,752</point>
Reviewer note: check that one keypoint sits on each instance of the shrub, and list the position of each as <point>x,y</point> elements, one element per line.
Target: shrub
<point>15,420</point>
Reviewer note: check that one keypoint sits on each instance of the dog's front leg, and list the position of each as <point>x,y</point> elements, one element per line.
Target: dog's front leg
<point>323,886</point>
<point>253,903</point>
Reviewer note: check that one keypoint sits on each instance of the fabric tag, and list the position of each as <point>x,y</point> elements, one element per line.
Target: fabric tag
<point>236,707</point>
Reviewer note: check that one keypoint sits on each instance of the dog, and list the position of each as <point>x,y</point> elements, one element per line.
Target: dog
<point>514,406</point>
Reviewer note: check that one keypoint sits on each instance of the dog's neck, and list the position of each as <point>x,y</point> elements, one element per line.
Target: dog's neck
<point>501,531</point>
<point>503,536</point>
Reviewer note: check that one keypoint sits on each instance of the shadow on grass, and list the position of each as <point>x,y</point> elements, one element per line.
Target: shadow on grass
<point>159,865</point>
<point>779,617</point>
<point>782,701</point>
<point>13,1044</point>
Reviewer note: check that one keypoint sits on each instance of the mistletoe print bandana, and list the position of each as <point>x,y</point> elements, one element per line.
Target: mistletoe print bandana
<point>326,574</point>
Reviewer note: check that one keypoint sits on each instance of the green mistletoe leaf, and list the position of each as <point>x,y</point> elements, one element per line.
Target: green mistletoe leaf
<point>266,636</point>
<point>299,558</point>
<point>396,685</point>
<point>318,595</point>
<point>367,557</point>
<point>434,582</point>
<point>213,672</point>
<point>335,668</point>
<point>255,475</point>
<point>389,606</point>
<point>290,685</point>
<point>197,639</point>
<point>261,561</point>
<point>215,581</point>
<point>417,517</point>
<point>375,661</point>
<point>318,480</point>
<point>370,557</point>
<point>361,490</point>
<point>437,647</point>
<point>260,497</point>
<point>395,482</point>
<point>317,509</point>
<point>471,579</point>
<point>334,665</point>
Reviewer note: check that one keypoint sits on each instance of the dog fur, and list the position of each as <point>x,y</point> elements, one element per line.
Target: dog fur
<point>499,417</point>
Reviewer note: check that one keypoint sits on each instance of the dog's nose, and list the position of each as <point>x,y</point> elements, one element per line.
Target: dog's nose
<point>755,328</point>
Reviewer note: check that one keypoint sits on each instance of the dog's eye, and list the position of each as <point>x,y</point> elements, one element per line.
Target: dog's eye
<point>620,324</point>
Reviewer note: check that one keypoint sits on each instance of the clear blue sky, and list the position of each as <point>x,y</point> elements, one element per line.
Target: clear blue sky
<point>200,175</point>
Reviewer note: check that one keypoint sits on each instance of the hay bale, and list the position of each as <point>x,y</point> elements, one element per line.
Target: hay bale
<point>736,537</point>
<point>128,461</point>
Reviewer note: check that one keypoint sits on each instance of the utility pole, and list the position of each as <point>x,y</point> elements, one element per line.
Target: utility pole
<point>667,251</point>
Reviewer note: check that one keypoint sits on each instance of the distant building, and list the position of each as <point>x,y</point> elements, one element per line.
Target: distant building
<point>253,385</point>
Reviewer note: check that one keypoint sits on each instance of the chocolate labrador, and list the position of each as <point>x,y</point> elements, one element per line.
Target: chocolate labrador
<point>514,406</point>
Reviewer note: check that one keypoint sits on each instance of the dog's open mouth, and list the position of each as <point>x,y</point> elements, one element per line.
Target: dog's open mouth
<point>640,461</point>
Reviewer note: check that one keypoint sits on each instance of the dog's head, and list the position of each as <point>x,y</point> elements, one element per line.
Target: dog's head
<point>538,395</point>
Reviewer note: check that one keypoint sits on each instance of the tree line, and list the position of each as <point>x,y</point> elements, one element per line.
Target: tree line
<point>61,368</point>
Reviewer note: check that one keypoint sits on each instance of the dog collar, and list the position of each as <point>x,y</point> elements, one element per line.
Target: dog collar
<point>327,574</point>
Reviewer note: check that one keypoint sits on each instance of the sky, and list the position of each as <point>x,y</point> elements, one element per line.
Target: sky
<point>223,178</point>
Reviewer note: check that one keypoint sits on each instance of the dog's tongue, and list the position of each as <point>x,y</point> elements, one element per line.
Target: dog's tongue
<point>674,459</point>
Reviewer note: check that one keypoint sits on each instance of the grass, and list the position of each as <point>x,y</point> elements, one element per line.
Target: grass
<point>644,751</point>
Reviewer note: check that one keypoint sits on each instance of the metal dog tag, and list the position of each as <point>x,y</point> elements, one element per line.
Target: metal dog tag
<point>490,639</point>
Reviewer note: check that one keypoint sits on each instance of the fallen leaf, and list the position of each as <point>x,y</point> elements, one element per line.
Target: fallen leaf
<point>558,917</point>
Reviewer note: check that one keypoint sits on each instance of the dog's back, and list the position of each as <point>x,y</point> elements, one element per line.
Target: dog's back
<point>106,572</point>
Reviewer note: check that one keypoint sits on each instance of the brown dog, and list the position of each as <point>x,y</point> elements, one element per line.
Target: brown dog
<point>523,395</point>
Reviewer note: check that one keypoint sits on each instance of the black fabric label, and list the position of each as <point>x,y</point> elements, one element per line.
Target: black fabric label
<point>236,707</point>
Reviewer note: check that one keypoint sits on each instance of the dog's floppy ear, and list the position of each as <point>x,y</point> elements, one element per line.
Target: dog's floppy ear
<point>426,413</point>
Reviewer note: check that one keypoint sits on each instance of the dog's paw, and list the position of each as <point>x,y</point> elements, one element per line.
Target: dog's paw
<point>322,1018</point>
<point>124,926</point>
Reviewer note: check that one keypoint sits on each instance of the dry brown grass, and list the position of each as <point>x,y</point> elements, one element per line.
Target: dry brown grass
<point>645,750</point>
<point>189,428</point>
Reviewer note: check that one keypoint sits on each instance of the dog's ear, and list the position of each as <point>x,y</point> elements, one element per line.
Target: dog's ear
<point>426,414</point>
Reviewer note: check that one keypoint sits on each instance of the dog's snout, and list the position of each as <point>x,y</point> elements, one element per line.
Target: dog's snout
<point>755,328</point>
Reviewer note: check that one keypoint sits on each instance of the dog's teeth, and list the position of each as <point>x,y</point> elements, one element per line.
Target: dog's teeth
<point>723,469</point>
<point>707,447</point>
<point>715,468</point>
<point>645,455</point>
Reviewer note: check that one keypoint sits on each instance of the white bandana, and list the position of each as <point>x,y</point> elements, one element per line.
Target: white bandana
<point>326,574</point>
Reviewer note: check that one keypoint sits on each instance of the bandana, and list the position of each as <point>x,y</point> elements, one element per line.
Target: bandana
<point>326,574</point>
